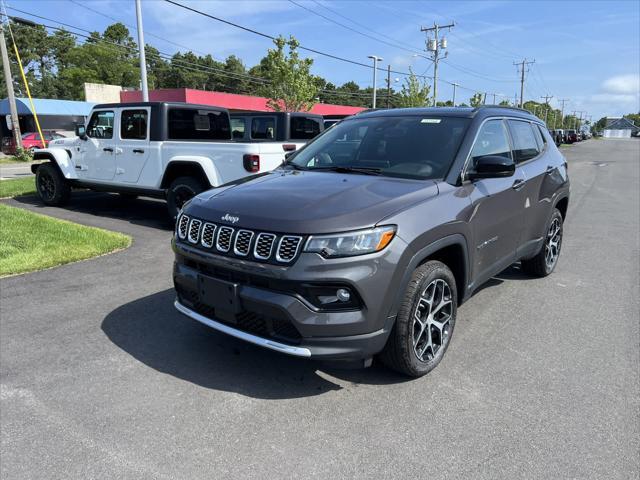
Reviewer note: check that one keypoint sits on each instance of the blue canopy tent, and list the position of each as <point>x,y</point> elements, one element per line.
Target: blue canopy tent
<point>59,115</point>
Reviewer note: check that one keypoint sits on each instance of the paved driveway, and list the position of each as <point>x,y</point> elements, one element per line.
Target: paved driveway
<point>101,378</point>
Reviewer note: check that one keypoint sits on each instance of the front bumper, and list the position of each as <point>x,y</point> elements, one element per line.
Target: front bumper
<point>283,321</point>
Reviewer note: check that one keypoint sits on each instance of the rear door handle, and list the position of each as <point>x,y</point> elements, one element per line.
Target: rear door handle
<point>138,150</point>
<point>107,149</point>
<point>518,184</point>
<point>550,169</point>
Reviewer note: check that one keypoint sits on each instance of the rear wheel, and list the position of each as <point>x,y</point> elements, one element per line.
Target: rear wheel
<point>181,190</point>
<point>425,321</point>
<point>52,187</point>
<point>545,261</point>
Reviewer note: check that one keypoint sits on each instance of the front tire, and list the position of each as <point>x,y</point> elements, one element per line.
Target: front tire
<point>546,260</point>
<point>425,321</point>
<point>181,190</point>
<point>53,189</point>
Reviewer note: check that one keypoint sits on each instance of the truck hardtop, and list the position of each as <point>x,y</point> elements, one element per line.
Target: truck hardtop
<point>157,149</point>
<point>294,128</point>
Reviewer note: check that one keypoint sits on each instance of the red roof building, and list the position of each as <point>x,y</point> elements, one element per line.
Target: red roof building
<point>230,101</point>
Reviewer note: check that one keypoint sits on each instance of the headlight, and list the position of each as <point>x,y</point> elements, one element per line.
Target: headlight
<point>349,244</point>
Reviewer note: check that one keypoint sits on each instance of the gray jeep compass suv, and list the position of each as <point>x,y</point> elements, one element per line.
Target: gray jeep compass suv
<point>368,239</point>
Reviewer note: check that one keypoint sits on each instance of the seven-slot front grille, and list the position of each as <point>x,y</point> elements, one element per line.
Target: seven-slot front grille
<point>194,230</point>
<point>243,243</point>
<point>262,246</point>
<point>223,242</point>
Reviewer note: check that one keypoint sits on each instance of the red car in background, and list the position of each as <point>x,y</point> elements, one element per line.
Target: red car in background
<point>30,141</point>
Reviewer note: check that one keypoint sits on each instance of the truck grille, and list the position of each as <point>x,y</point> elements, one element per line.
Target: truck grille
<point>261,246</point>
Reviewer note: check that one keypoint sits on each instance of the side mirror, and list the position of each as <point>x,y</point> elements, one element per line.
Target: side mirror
<point>492,166</point>
<point>288,155</point>
<point>81,131</point>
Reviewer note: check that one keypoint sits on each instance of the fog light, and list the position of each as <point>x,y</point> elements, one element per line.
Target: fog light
<point>343,295</point>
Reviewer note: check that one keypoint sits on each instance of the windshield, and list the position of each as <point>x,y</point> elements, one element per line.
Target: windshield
<point>420,147</point>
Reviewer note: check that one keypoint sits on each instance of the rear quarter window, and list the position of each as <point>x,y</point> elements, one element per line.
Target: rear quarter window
<point>525,145</point>
<point>198,124</point>
<point>304,128</point>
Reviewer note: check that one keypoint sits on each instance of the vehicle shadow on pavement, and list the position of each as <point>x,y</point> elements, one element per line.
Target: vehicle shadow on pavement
<point>147,212</point>
<point>153,332</point>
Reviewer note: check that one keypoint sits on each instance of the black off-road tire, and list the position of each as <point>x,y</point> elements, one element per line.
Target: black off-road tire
<point>539,266</point>
<point>399,353</point>
<point>181,190</point>
<point>53,189</point>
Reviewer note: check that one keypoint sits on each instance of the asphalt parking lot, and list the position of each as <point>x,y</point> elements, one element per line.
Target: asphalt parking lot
<point>102,378</point>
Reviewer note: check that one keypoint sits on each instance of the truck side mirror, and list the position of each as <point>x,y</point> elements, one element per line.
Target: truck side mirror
<point>81,131</point>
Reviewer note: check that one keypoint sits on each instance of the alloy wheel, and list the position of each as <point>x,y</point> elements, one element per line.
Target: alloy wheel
<point>46,186</point>
<point>552,243</point>
<point>432,320</point>
<point>181,194</point>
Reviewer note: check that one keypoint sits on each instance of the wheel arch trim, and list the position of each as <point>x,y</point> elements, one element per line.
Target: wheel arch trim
<point>60,158</point>
<point>204,165</point>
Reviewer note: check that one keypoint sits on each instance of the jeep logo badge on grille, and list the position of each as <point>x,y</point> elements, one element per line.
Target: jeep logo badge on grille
<point>229,218</point>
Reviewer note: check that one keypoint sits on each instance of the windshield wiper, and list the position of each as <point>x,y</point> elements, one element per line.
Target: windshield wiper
<point>293,166</point>
<point>345,169</point>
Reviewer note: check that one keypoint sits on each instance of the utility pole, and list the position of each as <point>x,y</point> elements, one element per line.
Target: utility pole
<point>563,101</point>
<point>434,45</point>
<point>484,98</point>
<point>494,99</point>
<point>388,86</point>
<point>455,85</point>
<point>522,66</point>
<point>546,97</point>
<point>553,122</point>
<point>15,121</point>
<point>376,59</point>
<point>143,62</point>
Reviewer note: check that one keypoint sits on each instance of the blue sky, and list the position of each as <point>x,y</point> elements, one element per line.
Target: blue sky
<point>587,52</point>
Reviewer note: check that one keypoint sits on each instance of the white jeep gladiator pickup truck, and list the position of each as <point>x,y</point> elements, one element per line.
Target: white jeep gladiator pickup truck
<point>155,149</point>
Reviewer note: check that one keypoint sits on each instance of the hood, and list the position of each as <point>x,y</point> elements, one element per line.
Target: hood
<point>306,202</point>
<point>63,142</point>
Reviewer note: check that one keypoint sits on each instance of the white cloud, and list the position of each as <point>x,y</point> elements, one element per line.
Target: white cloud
<point>622,85</point>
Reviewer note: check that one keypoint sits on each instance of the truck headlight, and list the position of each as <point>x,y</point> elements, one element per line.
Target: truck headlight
<point>359,242</point>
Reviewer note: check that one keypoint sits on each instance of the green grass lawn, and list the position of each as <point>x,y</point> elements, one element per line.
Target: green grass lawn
<point>17,186</point>
<point>30,241</point>
<point>11,159</point>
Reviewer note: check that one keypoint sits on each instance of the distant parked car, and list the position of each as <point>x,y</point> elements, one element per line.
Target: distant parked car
<point>30,141</point>
<point>572,136</point>
<point>557,137</point>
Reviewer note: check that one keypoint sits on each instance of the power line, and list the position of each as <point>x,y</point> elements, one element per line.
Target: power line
<point>411,50</point>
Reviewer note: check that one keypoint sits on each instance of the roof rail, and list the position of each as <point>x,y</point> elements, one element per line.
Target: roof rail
<point>503,106</point>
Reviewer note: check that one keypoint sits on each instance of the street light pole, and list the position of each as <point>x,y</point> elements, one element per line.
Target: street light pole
<point>376,59</point>
<point>143,62</point>
<point>15,121</point>
<point>455,85</point>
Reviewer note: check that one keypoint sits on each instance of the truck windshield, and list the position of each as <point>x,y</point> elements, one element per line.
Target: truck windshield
<point>419,147</point>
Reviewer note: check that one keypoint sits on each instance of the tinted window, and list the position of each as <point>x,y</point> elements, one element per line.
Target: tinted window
<point>539,137</point>
<point>190,124</point>
<point>133,124</point>
<point>492,140</point>
<point>101,125</point>
<point>304,128</point>
<point>525,145</point>
<point>405,146</point>
<point>263,128</point>
<point>238,128</point>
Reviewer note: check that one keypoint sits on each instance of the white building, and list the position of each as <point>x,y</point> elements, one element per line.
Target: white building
<point>619,127</point>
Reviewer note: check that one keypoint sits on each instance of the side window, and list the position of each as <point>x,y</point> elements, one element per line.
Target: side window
<point>238,128</point>
<point>492,140</point>
<point>263,128</point>
<point>133,125</point>
<point>525,146</point>
<point>101,125</point>
<point>304,128</point>
<point>191,124</point>
<point>539,134</point>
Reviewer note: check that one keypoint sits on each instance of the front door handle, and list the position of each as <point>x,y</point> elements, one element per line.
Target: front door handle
<point>138,150</point>
<point>550,169</point>
<point>107,149</point>
<point>518,184</point>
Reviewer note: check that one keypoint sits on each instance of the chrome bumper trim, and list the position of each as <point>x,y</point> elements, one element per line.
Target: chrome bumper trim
<point>247,337</point>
